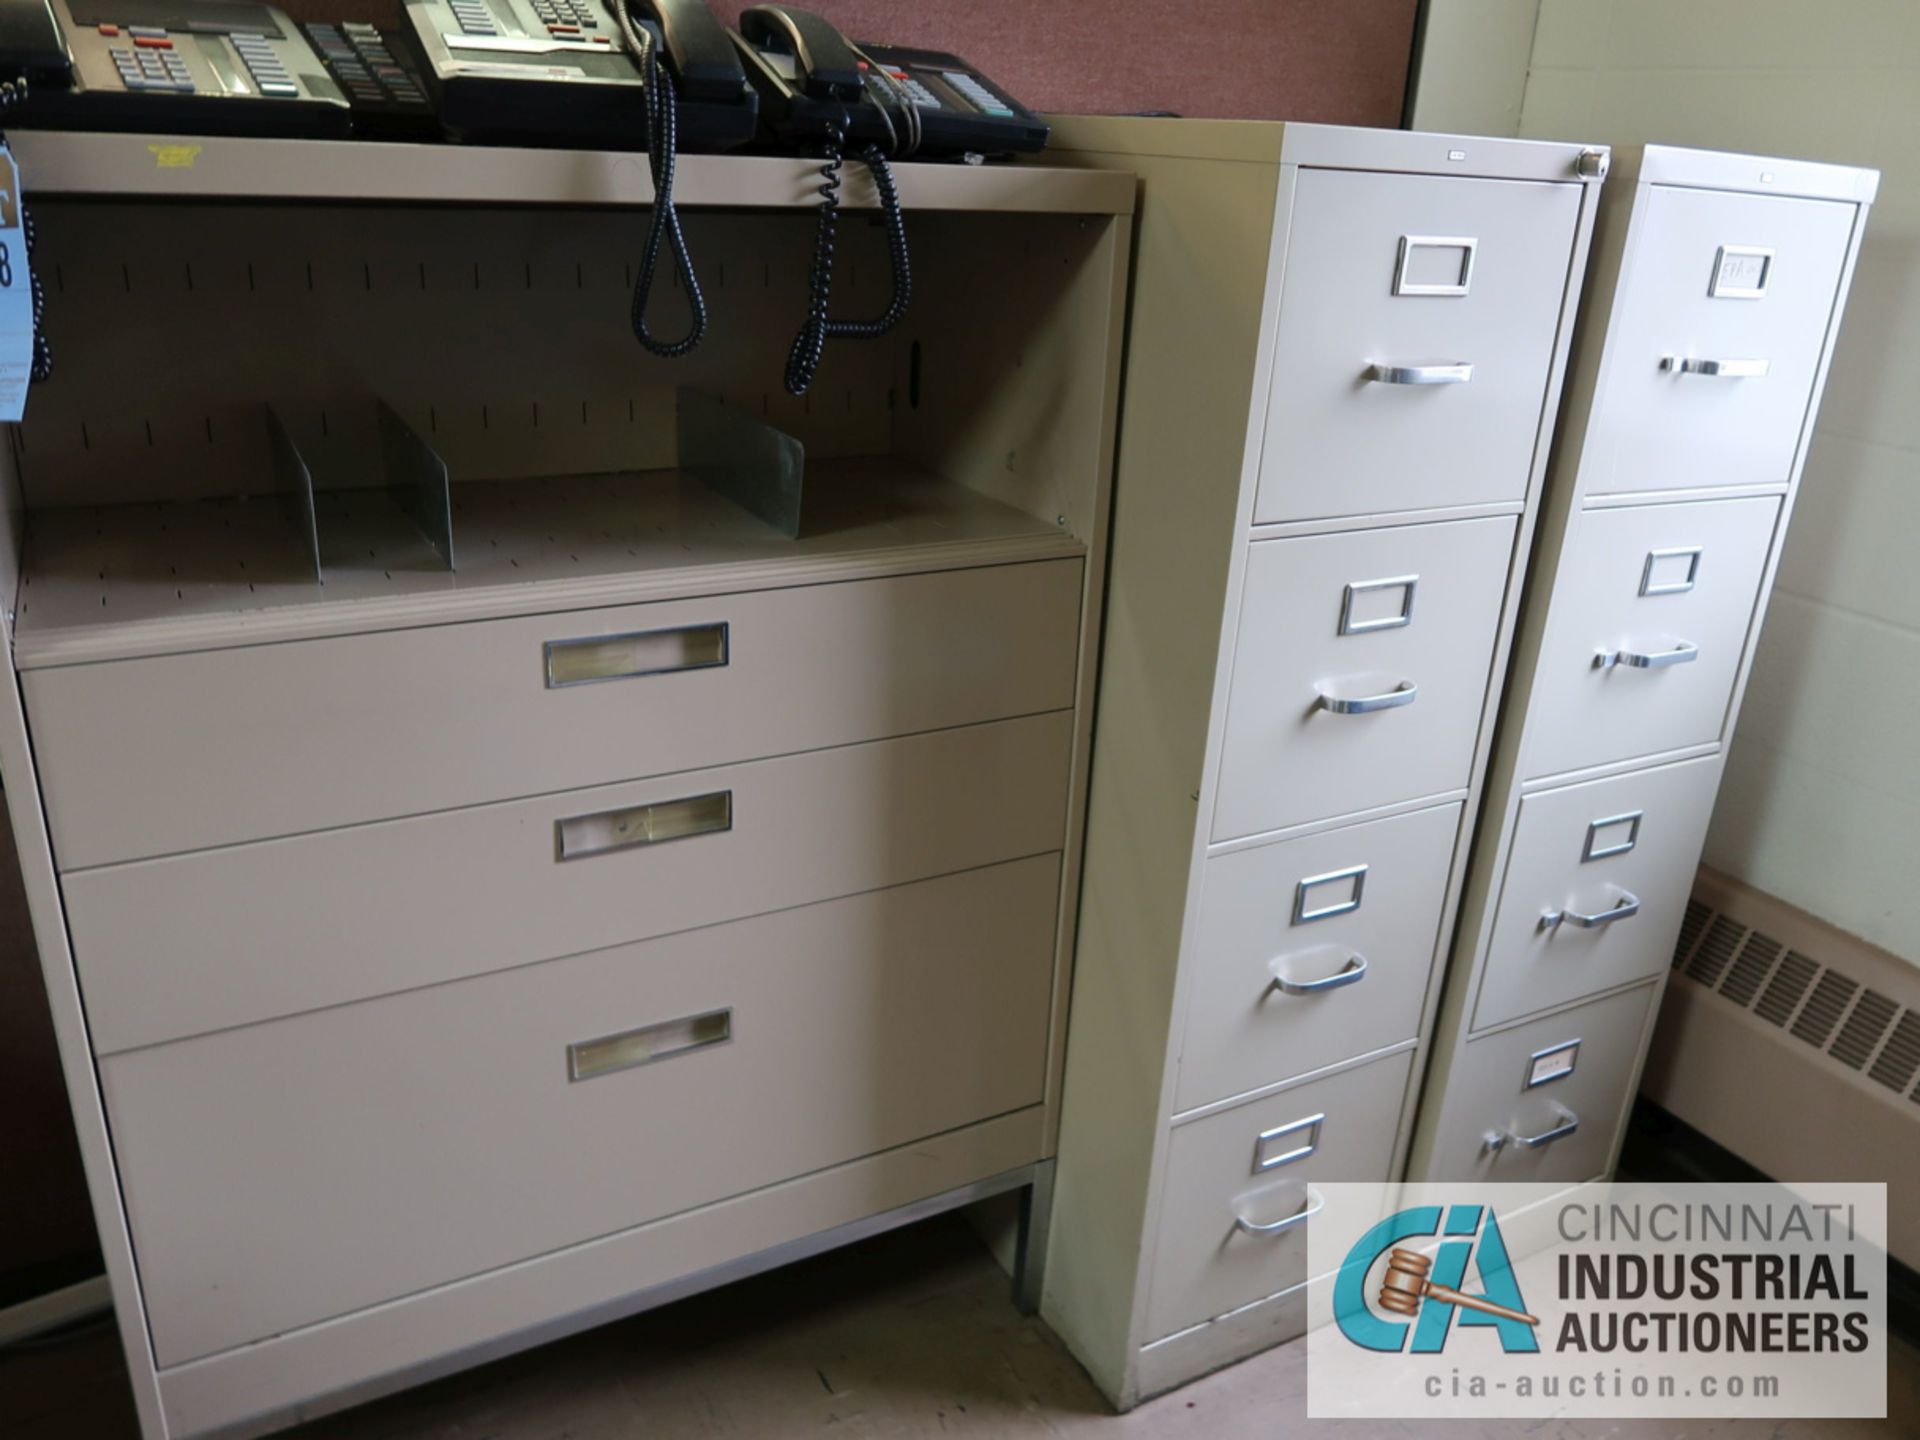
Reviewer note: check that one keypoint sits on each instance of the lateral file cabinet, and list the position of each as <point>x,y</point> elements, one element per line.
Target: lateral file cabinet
<point>470,955</point>
<point>1344,361</point>
<point>1718,283</point>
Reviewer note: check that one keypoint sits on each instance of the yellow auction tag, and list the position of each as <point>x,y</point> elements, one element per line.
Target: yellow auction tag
<point>175,157</point>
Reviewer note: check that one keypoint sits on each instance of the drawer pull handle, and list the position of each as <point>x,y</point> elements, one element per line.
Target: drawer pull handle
<point>1352,973</point>
<point>1405,693</point>
<point>627,657</point>
<point>1725,369</point>
<point>582,835</point>
<point>1498,1140</point>
<point>648,1043</point>
<point>1684,652</point>
<point>1453,372</point>
<point>1629,904</point>
<point>1310,1207</point>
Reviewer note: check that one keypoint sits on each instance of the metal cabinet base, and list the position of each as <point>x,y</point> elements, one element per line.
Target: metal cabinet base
<point>1718,285</point>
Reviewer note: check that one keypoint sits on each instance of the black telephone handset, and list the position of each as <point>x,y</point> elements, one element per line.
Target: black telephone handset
<point>817,92</point>
<point>824,66</point>
<point>33,47</point>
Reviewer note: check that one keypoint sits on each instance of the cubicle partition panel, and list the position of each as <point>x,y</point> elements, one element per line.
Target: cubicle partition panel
<point>489,878</point>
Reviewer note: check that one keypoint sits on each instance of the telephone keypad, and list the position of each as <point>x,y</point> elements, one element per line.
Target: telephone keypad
<point>150,62</point>
<point>256,53</point>
<point>983,99</point>
<point>918,93</point>
<point>566,17</point>
<point>359,58</point>
<point>473,17</point>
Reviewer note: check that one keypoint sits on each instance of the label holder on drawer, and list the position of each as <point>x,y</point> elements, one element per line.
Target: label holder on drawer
<point>1651,584</point>
<point>1410,248</point>
<point>592,659</point>
<point>1556,1062</point>
<point>1350,624</point>
<point>1299,1137</point>
<point>1741,272</point>
<point>1598,847</point>
<point>1305,913</point>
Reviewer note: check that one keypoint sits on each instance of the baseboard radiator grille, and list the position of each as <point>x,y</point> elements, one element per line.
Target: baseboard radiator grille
<point>1795,1045</point>
<point>1834,1013</point>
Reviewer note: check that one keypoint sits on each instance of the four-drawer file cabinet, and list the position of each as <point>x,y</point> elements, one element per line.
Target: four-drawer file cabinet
<point>1709,321</point>
<point>1344,361</point>
<point>476,910</point>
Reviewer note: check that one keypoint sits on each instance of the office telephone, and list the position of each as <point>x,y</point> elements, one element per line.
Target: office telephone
<point>211,67</point>
<point>375,71</point>
<point>578,70</point>
<point>819,92</point>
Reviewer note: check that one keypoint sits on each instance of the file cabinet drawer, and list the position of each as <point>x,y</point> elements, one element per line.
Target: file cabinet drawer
<point>285,1173</point>
<point>1239,1194</point>
<point>1313,951</point>
<point>1597,880</point>
<point>244,744</point>
<point>1650,617</point>
<point>1417,324</point>
<point>1543,1101</point>
<point>1360,671</point>
<point>173,947</point>
<point>1715,345</point>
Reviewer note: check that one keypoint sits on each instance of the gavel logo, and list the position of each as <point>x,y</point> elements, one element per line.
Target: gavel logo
<point>1406,1284</point>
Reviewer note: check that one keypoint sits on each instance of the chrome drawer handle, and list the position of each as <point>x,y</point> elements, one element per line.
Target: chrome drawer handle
<point>643,652</point>
<point>1454,372</point>
<point>1314,1204</point>
<point>1629,904</point>
<point>1352,973</point>
<point>1726,369</point>
<point>1684,652</point>
<point>1498,1140</point>
<point>578,836</point>
<point>648,1043</point>
<point>1405,693</point>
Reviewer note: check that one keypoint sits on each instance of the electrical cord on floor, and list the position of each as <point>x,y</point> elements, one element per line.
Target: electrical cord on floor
<point>12,93</point>
<point>663,140</point>
<point>803,358</point>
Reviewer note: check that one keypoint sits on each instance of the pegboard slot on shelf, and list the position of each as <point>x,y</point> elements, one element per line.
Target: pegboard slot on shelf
<point>117,581</point>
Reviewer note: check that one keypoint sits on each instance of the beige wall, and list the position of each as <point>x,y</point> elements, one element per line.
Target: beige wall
<point>1821,804</point>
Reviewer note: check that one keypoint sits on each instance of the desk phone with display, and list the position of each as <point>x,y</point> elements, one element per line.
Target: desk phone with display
<point>565,70</point>
<point>211,67</point>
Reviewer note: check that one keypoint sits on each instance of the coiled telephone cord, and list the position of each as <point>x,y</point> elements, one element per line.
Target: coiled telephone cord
<point>663,143</point>
<point>803,357</point>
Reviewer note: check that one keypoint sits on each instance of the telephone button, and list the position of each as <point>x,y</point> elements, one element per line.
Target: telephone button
<point>146,32</point>
<point>153,42</point>
<point>109,30</point>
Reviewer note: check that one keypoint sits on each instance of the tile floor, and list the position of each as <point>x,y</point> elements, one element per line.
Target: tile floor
<point>906,1335</point>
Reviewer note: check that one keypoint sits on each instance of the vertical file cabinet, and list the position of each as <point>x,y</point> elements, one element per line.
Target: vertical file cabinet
<point>468,921</point>
<point>1344,360</point>
<point>1718,283</point>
